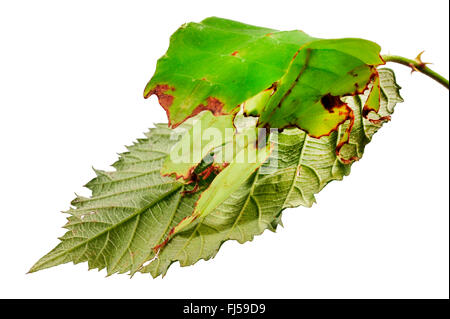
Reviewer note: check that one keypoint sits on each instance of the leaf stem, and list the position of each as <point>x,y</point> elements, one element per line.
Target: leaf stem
<point>417,65</point>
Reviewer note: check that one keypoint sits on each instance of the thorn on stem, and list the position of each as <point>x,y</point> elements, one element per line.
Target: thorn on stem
<point>419,61</point>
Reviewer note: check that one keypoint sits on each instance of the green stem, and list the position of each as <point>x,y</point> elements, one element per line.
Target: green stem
<point>417,65</point>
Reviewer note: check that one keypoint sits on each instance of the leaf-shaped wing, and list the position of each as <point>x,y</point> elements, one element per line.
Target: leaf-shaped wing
<point>218,64</point>
<point>308,95</point>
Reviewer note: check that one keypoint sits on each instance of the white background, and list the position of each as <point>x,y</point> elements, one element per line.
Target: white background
<point>71,80</point>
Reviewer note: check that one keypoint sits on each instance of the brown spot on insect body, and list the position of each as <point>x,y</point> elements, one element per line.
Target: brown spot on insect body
<point>234,53</point>
<point>353,73</point>
<point>331,102</point>
<point>273,87</point>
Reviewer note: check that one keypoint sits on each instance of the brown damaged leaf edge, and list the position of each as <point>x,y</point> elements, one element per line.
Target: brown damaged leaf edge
<point>368,108</point>
<point>330,101</point>
<point>187,177</point>
<point>213,104</point>
<point>164,99</point>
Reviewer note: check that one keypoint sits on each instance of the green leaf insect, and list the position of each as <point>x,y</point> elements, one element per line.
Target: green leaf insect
<point>260,120</point>
<point>285,78</point>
